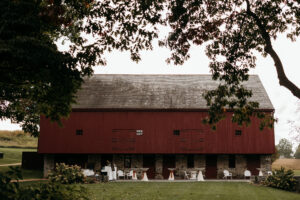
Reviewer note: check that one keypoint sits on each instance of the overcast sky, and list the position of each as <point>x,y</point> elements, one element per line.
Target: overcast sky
<point>153,62</point>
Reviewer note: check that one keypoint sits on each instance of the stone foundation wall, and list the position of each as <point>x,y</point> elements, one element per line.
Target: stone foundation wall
<point>222,163</point>
<point>199,161</point>
<point>240,166</point>
<point>266,164</point>
<point>181,166</point>
<point>48,164</point>
<point>158,166</point>
<point>180,162</point>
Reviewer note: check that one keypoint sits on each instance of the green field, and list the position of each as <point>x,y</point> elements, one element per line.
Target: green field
<point>13,155</point>
<point>17,139</point>
<point>297,172</point>
<point>187,191</point>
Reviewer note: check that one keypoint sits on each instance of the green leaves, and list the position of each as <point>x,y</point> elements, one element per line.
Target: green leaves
<point>66,174</point>
<point>8,189</point>
<point>282,179</point>
<point>37,79</point>
<point>285,148</point>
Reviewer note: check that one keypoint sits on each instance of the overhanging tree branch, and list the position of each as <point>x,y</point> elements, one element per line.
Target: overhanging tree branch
<point>283,80</point>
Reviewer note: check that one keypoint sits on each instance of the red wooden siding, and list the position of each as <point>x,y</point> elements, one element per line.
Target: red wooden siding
<point>115,132</point>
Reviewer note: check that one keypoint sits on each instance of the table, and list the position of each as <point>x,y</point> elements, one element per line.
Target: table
<point>134,170</point>
<point>193,175</point>
<point>144,175</point>
<point>200,175</point>
<point>260,171</point>
<point>171,176</point>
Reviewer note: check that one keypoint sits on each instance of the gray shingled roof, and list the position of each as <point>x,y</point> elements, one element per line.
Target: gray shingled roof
<point>119,91</point>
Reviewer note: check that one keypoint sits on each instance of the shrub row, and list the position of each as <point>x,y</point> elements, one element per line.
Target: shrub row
<point>41,191</point>
<point>282,179</point>
<point>66,174</point>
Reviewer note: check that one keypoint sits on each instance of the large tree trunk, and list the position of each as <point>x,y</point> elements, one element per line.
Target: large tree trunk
<point>283,80</point>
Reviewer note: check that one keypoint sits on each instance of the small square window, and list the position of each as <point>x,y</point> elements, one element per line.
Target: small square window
<point>176,132</point>
<point>139,132</point>
<point>79,132</point>
<point>238,132</point>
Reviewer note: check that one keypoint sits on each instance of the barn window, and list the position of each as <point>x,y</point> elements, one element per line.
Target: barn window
<point>190,161</point>
<point>176,132</point>
<point>139,132</point>
<point>231,161</point>
<point>79,132</point>
<point>127,161</point>
<point>238,132</point>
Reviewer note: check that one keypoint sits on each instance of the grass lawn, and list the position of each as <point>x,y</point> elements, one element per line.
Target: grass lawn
<point>186,191</point>
<point>297,172</point>
<point>12,155</point>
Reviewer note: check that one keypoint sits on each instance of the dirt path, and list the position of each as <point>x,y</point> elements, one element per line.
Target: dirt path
<point>12,164</point>
<point>28,180</point>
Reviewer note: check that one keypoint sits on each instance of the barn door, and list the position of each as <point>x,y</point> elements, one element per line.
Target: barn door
<point>168,162</point>
<point>211,167</point>
<point>149,162</point>
<point>253,162</point>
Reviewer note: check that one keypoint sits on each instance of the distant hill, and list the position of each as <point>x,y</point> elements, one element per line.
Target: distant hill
<point>17,139</point>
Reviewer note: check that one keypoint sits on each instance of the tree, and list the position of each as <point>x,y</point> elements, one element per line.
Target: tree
<point>297,153</point>
<point>275,155</point>
<point>38,79</point>
<point>285,148</point>
<point>232,31</point>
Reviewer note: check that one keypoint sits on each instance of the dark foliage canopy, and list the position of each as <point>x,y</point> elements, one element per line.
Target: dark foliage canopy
<point>37,79</point>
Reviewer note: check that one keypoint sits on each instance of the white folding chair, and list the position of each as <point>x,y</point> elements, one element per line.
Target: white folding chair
<point>121,174</point>
<point>247,173</point>
<point>88,172</point>
<point>129,174</point>
<point>270,173</point>
<point>227,174</point>
<point>193,175</point>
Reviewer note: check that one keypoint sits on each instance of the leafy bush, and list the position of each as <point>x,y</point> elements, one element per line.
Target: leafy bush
<point>13,190</point>
<point>66,174</point>
<point>282,179</point>
<point>9,189</point>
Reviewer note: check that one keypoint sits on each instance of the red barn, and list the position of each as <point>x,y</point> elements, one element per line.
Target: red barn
<point>155,121</point>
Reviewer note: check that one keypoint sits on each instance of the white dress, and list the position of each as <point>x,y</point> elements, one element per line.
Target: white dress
<point>114,173</point>
<point>109,173</point>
